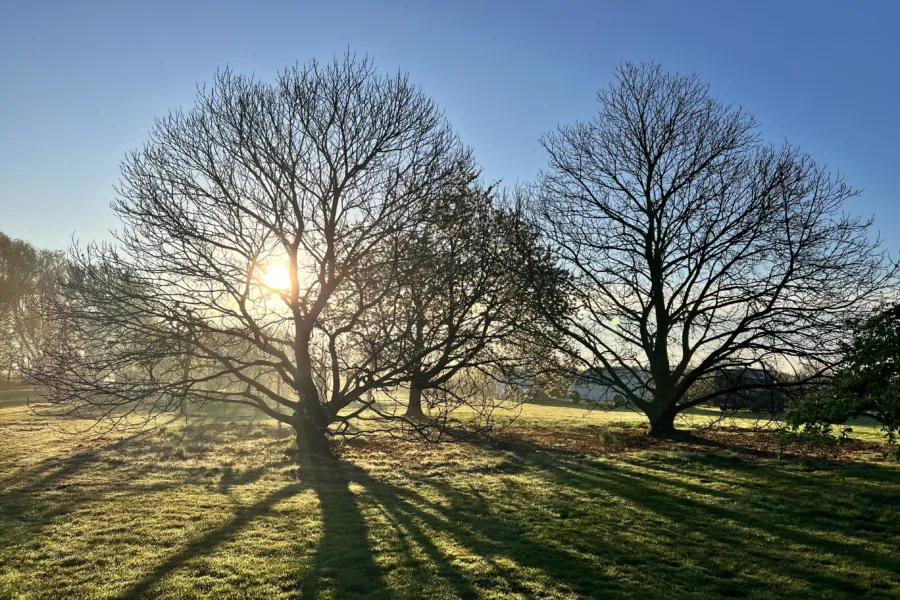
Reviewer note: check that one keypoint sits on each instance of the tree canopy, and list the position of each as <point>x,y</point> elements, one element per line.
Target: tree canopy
<point>322,248</point>
<point>267,233</point>
<point>27,276</point>
<point>694,246</point>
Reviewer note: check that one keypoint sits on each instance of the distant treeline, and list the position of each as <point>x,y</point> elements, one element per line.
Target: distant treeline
<point>27,276</point>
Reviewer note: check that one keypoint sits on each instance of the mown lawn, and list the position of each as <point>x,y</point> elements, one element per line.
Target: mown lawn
<point>558,507</point>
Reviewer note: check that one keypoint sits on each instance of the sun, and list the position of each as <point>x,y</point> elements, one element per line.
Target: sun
<point>277,277</point>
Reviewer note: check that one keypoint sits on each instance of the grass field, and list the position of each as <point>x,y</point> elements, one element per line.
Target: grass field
<point>562,505</point>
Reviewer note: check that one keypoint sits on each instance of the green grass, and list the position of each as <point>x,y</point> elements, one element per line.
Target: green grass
<point>555,412</point>
<point>220,509</point>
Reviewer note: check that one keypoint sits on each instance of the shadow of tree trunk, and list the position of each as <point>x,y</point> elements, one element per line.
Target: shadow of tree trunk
<point>399,513</point>
<point>344,562</point>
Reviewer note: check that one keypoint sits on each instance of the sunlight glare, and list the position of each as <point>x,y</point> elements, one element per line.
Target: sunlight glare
<point>277,277</point>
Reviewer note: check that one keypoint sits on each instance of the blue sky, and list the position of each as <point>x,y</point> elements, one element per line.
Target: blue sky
<point>80,82</point>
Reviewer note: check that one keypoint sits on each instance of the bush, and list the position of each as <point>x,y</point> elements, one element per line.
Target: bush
<point>867,384</point>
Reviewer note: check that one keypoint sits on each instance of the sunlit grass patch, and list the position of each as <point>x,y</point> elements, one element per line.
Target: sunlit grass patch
<point>556,508</point>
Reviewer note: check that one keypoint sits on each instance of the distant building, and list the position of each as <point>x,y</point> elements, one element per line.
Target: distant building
<point>598,385</point>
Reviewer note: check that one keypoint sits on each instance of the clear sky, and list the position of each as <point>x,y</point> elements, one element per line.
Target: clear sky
<point>80,82</point>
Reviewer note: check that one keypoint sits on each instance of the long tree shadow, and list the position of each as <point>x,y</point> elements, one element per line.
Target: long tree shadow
<point>533,524</point>
<point>676,535</point>
<point>344,564</point>
<point>406,513</point>
<point>472,523</point>
<point>211,540</point>
<point>722,519</point>
<point>644,485</point>
<point>667,488</point>
<point>37,496</point>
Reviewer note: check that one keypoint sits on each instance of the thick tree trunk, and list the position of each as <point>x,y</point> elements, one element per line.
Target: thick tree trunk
<point>664,407</point>
<point>663,426</point>
<point>309,420</point>
<point>414,406</point>
<point>662,422</point>
<point>310,435</point>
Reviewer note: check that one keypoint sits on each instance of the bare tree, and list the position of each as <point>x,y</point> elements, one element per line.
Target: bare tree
<point>462,311</point>
<point>244,220</point>
<point>695,247</point>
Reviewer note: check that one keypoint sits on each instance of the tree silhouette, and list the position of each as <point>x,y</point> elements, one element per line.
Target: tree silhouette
<point>462,318</point>
<point>311,177</point>
<point>695,247</point>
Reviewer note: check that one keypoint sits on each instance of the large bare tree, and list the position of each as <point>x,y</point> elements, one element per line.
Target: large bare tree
<point>246,222</point>
<point>696,248</point>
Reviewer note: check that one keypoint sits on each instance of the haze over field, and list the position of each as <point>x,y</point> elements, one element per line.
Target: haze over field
<point>456,301</point>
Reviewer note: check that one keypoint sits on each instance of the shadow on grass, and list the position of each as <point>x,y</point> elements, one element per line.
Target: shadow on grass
<point>788,522</point>
<point>504,545</point>
<point>536,523</point>
<point>37,496</point>
<point>616,529</point>
<point>343,563</point>
<point>209,541</point>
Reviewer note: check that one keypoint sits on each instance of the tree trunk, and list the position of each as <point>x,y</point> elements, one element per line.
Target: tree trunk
<point>663,426</point>
<point>277,407</point>
<point>662,423</point>
<point>309,420</point>
<point>414,406</point>
<point>310,435</point>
